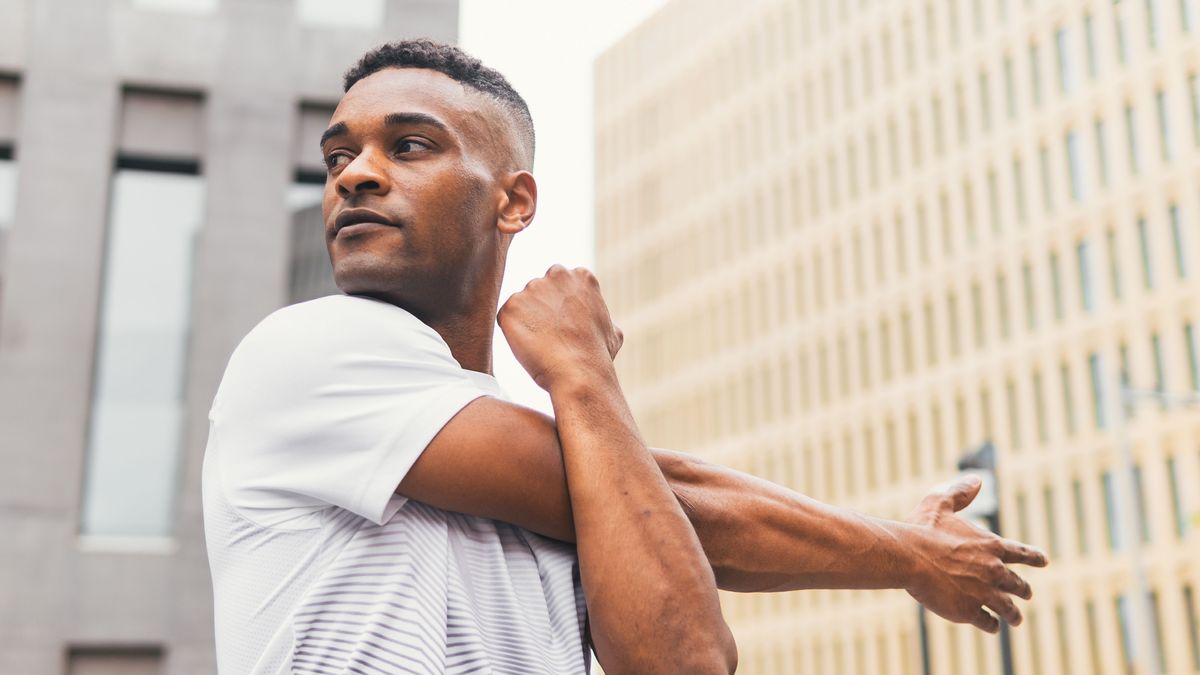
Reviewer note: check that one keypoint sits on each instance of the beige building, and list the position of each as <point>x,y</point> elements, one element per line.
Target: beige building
<point>848,241</point>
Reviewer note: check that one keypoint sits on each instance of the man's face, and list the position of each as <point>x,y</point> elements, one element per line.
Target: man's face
<point>410,202</point>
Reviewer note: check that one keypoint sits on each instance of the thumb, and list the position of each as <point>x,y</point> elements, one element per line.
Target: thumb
<point>963,492</point>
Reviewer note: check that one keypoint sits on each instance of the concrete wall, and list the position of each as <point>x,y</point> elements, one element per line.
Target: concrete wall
<point>254,64</point>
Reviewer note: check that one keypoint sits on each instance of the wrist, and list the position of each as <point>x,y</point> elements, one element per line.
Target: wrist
<point>910,561</point>
<point>577,375</point>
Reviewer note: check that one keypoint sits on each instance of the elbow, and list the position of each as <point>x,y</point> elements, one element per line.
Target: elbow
<point>729,653</point>
<point>718,657</point>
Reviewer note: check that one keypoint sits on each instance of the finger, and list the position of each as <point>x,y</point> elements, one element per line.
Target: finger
<point>964,491</point>
<point>1016,552</point>
<point>1006,609</point>
<point>1010,582</point>
<point>985,621</point>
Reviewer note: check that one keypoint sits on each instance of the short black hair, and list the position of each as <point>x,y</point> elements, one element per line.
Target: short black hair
<point>454,63</point>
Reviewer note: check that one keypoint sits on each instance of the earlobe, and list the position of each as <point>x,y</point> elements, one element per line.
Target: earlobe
<point>519,203</point>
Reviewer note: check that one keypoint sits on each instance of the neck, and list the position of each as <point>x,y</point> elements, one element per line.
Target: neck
<point>469,337</point>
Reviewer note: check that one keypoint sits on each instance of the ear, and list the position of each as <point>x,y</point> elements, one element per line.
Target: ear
<point>518,204</point>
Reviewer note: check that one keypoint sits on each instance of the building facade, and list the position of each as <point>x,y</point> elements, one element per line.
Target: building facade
<point>849,241</point>
<point>152,153</point>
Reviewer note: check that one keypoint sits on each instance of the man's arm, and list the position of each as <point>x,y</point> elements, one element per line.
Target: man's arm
<point>651,596</point>
<point>759,536</point>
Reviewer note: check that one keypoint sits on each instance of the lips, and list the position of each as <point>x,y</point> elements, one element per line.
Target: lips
<point>360,216</point>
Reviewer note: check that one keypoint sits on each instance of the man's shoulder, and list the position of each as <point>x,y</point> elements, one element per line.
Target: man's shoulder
<point>338,321</point>
<point>313,314</point>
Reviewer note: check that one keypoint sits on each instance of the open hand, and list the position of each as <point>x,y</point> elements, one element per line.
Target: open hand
<point>963,568</point>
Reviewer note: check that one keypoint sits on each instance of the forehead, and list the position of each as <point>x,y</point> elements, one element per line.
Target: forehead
<point>394,90</point>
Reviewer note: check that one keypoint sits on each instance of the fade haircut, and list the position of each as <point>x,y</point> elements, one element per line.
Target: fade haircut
<point>459,66</point>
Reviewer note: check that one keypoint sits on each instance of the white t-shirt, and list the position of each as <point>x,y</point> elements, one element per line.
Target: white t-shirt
<point>317,565</point>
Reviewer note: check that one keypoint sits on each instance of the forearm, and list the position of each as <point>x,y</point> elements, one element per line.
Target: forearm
<point>644,572</point>
<point>759,536</point>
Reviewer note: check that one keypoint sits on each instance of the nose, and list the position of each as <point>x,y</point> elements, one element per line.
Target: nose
<point>362,175</point>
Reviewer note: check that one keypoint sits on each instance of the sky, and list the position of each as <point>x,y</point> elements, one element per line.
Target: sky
<point>546,48</point>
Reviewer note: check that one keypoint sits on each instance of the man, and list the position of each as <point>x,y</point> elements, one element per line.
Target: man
<point>374,505</point>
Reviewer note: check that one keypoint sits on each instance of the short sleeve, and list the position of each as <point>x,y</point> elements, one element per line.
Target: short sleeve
<point>329,403</point>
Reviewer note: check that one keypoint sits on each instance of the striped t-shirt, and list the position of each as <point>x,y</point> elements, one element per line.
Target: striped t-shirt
<point>317,566</point>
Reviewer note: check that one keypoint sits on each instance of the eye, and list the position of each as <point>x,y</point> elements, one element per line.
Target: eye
<point>336,159</point>
<point>407,145</point>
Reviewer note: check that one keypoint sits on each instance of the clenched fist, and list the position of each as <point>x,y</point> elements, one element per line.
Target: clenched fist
<point>559,325</point>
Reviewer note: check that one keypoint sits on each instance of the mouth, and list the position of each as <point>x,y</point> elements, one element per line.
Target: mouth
<point>354,220</point>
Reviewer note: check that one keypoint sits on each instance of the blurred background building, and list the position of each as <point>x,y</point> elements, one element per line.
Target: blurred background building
<point>848,241</point>
<point>154,157</point>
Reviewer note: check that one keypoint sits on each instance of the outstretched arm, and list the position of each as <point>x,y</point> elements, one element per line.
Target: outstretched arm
<point>760,536</point>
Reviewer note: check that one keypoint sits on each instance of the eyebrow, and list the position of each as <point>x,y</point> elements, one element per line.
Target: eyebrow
<point>392,119</point>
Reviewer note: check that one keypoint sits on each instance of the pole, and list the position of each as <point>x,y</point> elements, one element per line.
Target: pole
<point>923,632</point>
<point>1128,516</point>
<point>1006,657</point>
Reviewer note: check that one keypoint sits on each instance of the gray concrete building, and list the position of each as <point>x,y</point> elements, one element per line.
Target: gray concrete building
<point>152,154</point>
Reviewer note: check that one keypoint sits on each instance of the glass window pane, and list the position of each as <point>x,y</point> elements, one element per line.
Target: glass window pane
<point>1019,189</point>
<point>1075,166</point>
<point>1010,95</point>
<point>1101,151</point>
<point>1081,540</point>
<point>8,192</point>
<point>1181,261</point>
<point>1121,22</point>
<point>1002,305</point>
<point>1066,74</point>
<point>1039,411</point>
<point>1144,245</point>
<point>1014,418</point>
<point>137,408</point>
<point>1193,625</point>
<point>1083,260</point>
<point>1194,95</point>
<point>344,13</point>
<point>1114,264</point>
<point>1152,32</point>
<point>1135,161</point>
<point>1176,499</point>
<point>1035,73</point>
<point>1124,621</point>
<point>182,6</point>
<point>1166,144</point>
<point>1097,389</point>
<point>1051,521</point>
<point>1157,352</point>
<point>1139,494</point>
<point>1068,397</point>
<point>1047,179</point>
<point>1189,340</point>
<point>1030,298</point>
<point>1090,33</point>
<point>1110,511</point>
<point>1093,634</point>
<point>1056,286</point>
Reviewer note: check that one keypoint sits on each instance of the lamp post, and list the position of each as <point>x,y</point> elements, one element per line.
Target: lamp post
<point>1129,514</point>
<point>986,507</point>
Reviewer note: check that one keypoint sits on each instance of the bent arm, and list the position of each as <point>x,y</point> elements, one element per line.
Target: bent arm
<point>503,461</point>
